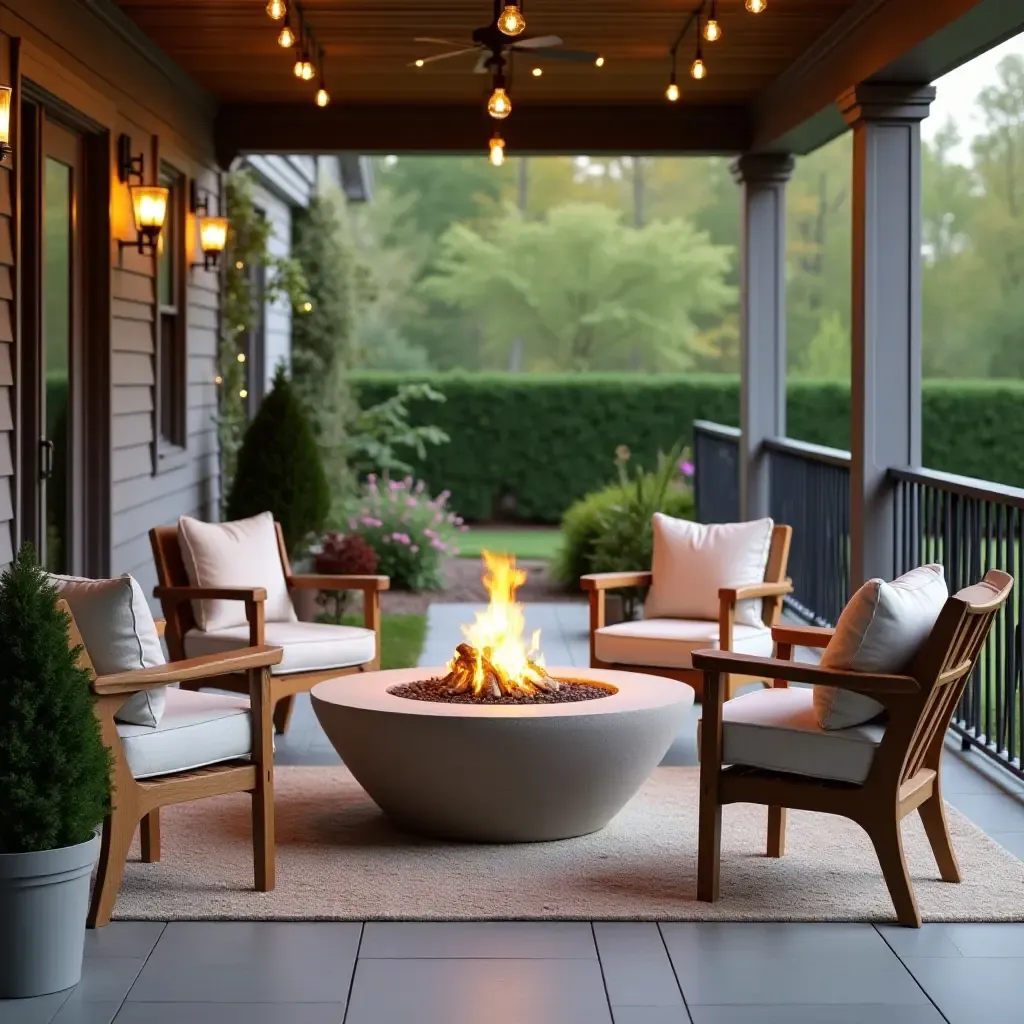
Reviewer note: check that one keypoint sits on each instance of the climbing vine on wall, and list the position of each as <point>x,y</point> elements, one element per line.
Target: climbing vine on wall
<point>247,249</point>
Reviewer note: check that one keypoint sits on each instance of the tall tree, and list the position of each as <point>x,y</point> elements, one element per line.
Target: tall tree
<point>583,290</point>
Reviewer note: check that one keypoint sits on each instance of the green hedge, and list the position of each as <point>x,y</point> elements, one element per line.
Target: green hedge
<point>526,446</point>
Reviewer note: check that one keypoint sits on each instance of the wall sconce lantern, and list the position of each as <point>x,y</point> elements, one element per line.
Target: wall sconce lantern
<point>5,121</point>
<point>213,231</point>
<point>149,202</point>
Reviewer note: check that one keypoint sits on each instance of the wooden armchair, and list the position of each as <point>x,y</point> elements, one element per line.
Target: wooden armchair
<point>663,647</point>
<point>313,652</point>
<point>231,740</point>
<point>879,772</point>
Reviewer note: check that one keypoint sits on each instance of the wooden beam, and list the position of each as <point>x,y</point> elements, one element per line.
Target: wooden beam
<point>876,40</point>
<point>552,129</point>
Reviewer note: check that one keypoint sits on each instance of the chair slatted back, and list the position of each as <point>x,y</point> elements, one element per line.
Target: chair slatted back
<point>170,572</point>
<point>775,572</point>
<point>945,663</point>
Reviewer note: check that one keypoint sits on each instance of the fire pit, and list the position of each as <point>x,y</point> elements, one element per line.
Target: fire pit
<point>496,746</point>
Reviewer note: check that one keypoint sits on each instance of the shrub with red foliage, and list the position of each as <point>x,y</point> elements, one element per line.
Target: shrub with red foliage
<point>346,554</point>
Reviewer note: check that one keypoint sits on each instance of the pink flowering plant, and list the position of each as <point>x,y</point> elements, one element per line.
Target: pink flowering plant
<point>411,531</point>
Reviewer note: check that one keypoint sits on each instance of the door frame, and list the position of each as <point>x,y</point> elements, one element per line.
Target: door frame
<point>90,358</point>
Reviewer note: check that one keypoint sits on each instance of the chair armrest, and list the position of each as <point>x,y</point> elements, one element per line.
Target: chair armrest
<point>175,595</point>
<point>734,594</point>
<point>803,636</point>
<point>206,667</point>
<point>615,580</point>
<point>800,672</point>
<point>319,581</point>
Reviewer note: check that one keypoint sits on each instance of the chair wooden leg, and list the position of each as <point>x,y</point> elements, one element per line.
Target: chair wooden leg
<point>709,823</point>
<point>283,714</point>
<point>888,842</point>
<point>150,836</point>
<point>776,831</point>
<point>118,829</point>
<point>933,816</point>
<point>263,851</point>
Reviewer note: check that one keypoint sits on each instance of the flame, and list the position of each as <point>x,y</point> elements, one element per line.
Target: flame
<point>498,631</point>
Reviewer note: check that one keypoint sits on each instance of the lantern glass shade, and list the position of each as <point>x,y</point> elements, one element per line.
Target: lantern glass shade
<point>213,234</point>
<point>5,120</point>
<point>149,206</point>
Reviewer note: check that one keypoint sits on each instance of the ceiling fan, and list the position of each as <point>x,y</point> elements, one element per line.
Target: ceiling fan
<point>492,45</point>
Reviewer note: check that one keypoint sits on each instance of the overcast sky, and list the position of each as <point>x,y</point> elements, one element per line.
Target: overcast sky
<point>957,91</point>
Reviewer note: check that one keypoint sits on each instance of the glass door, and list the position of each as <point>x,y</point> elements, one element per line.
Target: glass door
<point>52,246</point>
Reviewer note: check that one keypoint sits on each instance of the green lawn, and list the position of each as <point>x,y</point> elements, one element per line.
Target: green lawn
<point>402,638</point>
<point>523,542</point>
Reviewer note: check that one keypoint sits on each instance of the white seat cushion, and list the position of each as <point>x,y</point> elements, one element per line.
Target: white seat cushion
<point>308,646</point>
<point>693,561</point>
<point>668,643</point>
<point>880,630</point>
<point>244,553</point>
<point>196,729</point>
<point>778,729</point>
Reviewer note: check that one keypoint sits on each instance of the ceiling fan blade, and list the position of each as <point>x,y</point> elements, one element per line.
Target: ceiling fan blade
<point>441,56</point>
<point>536,43</point>
<point>438,42</point>
<point>483,64</point>
<point>578,55</point>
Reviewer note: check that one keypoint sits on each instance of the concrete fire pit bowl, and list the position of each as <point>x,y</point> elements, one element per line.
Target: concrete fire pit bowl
<point>502,773</point>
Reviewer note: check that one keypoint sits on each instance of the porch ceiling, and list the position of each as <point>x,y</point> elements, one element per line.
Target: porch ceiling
<point>772,82</point>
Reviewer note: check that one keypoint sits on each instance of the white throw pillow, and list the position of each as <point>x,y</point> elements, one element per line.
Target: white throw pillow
<point>692,561</point>
<point>881,628</point>
<point>119,635</point>
<point>239,554</point>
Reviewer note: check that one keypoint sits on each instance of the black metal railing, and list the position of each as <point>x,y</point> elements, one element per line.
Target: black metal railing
<point>716,477</point>
<point>810,491</point>
<point>970,526</point>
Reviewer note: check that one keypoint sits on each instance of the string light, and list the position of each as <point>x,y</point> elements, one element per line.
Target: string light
<point>420,62</point>
<point>286,38</point>
<point>599,62</point>
<point>243,393</point>
<point>756,6</point>
<point>537,72</point>
<point>241,357</point>
<point>712,30</point>
<point>277,9</point>
<point>297,67</point>
<point>239,265</point>
<point>672,92</point>
<point>323,97</point>
<point>511,21</point>
<point>499,106</point>
<point>698,69</point>
<point>307,307</point>
<point>497,150</point>
<point>218,380</point>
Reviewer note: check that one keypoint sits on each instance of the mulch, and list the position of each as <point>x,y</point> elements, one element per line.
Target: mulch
<point>463,585</point>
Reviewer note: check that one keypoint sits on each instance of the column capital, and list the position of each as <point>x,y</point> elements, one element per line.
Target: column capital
<point>886,101</point>
<point>762,168</point>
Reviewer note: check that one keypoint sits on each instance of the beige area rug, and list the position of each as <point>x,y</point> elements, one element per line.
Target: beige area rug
<point>339,859</point>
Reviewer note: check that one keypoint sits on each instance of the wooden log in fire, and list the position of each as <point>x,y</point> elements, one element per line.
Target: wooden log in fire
<point>464,669</point>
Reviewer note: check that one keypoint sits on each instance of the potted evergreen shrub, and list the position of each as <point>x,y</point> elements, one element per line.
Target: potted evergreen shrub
<point>280,470</point>
<point>55,786</point>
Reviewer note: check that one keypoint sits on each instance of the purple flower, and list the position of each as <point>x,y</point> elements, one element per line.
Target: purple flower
<point>686,468</point>
<point>371,521</point>
<point>394,485</point>
<point>414,549</point>
<point>410,502</point>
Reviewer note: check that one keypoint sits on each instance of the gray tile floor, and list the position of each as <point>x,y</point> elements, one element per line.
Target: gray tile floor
<point>556,972</point>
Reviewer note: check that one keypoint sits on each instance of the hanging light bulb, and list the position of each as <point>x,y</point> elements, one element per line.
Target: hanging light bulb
<point>420,62</point>
<point>497,153</point>
<point>672,92</point>
<point>297,67</point>
<point>286,37</point>
<point>308,70</point>
<point>698,69</point>
<point>499,106</point>
<point>712,30</point>
<point>599,62</point>
<point>511,21</point>
<point>277,9</point>
<point>537,72</point>
<point>323,97</point>
<point>756,6</point>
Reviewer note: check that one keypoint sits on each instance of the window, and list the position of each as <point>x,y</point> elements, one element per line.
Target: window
<point>171,334</point>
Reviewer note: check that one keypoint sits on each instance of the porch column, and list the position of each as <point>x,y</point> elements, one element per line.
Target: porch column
<point>763,178</point>
<point>885,384</point>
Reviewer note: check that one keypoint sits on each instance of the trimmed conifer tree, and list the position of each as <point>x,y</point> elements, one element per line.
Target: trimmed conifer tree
<point>280,469</point>
<point>54,767</point>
